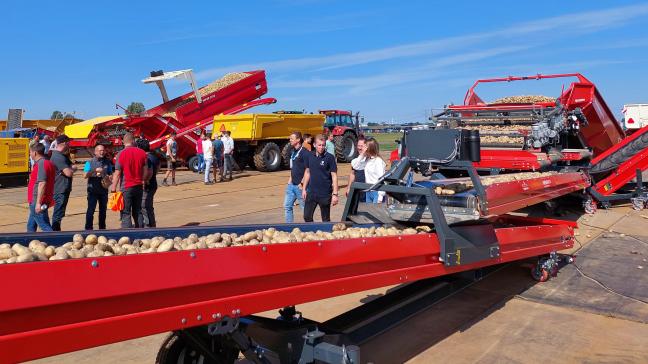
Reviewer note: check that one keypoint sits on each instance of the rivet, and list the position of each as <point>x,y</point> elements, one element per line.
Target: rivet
<point>265,248</point>
<point>364,241</point>
<point>184,321</point>
<point>192,255</point>
<point>199,317</point>
<point>216,316</point>
<point>94,264</point>
<point>319,243</point>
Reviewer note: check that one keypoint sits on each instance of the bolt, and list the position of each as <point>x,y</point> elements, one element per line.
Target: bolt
<point>400,238</point>
<point>184,321</point>
<point>94,264</point>
<point>216,316</point>
<point>192,255</point>
<point>265,248</point>
<point>319,243</point>
<point>199,317</point>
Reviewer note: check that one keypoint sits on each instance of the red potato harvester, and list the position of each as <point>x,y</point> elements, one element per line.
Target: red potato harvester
<point>576,131</point>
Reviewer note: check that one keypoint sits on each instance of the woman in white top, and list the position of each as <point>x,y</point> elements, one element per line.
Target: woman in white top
<point>373,170</point>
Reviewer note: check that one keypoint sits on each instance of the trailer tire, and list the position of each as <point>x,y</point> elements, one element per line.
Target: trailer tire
<point>267,157</point>
<point>192,164</point>
<point>286,151</point>
<point>174,350</point>
<point>346,147</point>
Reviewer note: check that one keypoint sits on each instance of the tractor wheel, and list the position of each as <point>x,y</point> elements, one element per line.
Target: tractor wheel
<point>267,157</point>
<point>286,151</point>
<point>346,147</point>
<point>540,274</point>
<point>192,164</point>
<point>175,350</point>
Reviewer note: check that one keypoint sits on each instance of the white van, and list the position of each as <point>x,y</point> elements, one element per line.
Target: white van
<point>635,116</point>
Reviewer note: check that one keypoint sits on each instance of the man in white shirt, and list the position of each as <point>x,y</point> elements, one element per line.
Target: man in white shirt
<point>171,155</point>
<point>228,153</point>
<point>208,153</point>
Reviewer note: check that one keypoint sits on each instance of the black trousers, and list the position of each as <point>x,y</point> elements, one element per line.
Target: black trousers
<point>94,199</point>
<point>148,212</point>
<point>312,201</point>
<point>60,205</point>
<point>132,211</point>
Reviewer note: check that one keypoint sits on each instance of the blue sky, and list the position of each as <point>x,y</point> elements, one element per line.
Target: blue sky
<point>390,60</point>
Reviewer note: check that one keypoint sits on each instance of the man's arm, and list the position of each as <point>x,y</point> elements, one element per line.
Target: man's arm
<point>86,170</point>
<point>305,182</point>
<point>334,199</point>
<point>147,173</point>
<point>116,180</point>
<point>39,196</point>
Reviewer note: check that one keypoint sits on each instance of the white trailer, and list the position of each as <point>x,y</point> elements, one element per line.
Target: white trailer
<point>635,116</point>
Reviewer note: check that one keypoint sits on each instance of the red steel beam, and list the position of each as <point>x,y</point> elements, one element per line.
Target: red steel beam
<point>512,159</point>
<point>61,306</point>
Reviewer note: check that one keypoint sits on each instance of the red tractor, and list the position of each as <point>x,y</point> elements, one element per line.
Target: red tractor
<point>345,127</point>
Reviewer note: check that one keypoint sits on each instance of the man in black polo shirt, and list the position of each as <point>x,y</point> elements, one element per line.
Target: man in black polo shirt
<point>320,182</point>
<point>63,182</point>
<point>298,159</point>
<point>97,171</point>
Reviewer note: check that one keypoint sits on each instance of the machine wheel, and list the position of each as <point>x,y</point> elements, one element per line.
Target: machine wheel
<point>540,274</point>
<point>192,164</point>
<point>286,150</point>
<point>346,147</point>
<point>638,204</point>
<point>174,350</point>
<point>267,157</point>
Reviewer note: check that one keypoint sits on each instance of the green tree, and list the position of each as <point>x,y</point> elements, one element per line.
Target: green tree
<point>135,108</point>
<point>56,115</point>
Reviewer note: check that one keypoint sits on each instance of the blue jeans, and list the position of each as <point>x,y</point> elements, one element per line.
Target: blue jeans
<point>61,201</point>
<point>293,193</point>
<point>372,196</point>
<point>201,162</point>
<point>35,220</point>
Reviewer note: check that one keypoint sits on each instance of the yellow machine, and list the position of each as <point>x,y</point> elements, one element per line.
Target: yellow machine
<point>56,126</point>
<point>263,138</point>
<point>14,161</point>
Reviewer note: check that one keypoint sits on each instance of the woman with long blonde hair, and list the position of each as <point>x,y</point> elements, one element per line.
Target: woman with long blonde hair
<point>374,169</point>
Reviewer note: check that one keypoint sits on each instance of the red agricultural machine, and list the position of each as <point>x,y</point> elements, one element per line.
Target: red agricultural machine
<point>574,131</point>
<point>185,115</point>
<point>345,127</point>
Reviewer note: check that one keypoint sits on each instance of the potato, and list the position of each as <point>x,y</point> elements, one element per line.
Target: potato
<point>49,251</point>
<point>60,255</point>
<point>155,243</point>
<point>23,258</point>
<point>102,240</point>
<point>201,245</point>
<point>74,253</point>
<point>166,246</point>
<point>5,245</point>
<point>424,228</point>
<point>37,246</point>
<point>12,260</point>
<point>6,253</point>
<point>118,250</point>
<point>91,239</point>
<point>107,254</point>
<point>87,249</point>
<point>112,242</point>
<point>78,238</point>
<point>94,254</point>
<point>77,245</point>
<point>103,247</point>
<point>409,231</point>
<point>20,249</point>
<point>40,257</point>
<point>123,240</point>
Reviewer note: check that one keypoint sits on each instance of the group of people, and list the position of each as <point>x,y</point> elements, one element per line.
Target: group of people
<point>217,154</point>
<point>50,184</point>
<point>313,178</point>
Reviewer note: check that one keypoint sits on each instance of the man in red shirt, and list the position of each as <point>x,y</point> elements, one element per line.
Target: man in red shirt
<point>130,173</point>
<point>40,191</point>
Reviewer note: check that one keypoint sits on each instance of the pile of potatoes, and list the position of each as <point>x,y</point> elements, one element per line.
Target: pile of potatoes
<point>523,99</point>
<point>456,187</point>
<point>504,139</point>
<point>92,246</point>
<point>219,84</point>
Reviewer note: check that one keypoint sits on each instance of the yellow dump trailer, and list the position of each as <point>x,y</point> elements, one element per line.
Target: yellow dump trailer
<point>262,139</point>
<point>14,161</point>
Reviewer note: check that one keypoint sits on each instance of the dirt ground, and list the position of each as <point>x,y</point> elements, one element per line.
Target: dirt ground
<point>505,318</point>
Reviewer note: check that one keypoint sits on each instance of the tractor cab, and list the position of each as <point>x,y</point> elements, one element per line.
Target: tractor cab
<point>345,127</point>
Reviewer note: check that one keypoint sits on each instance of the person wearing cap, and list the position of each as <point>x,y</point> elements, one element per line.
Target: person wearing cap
<point>63,182</point>
<point>40,190</point>
<point>171,157</point>
<point>97,171</point>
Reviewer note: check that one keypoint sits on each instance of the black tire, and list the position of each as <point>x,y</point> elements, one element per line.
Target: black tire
<point>192,164</point>
<point>174,350</point>
<point>267,157</point>
<point>346,147</point>
<point>286,151</point>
